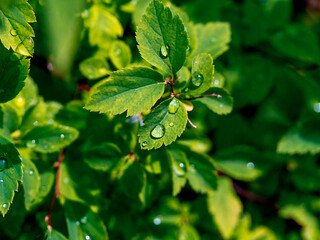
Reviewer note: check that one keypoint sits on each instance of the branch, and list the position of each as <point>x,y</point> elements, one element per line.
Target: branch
<point>57,189</point>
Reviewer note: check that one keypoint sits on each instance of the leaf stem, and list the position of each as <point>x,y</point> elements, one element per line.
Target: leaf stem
<point>208,95</point>
<point>57,189</point>
<point>189,121</point>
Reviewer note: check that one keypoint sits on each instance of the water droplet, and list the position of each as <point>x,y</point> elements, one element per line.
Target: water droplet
<point>250,165</point>
<point>31,144</point>
<point>186,90</point>
<point>158,131</point>
<point>4,205</point>
<point>31,172</point>
<point>174,106</point>
<point>84,220</point>
<point>30,40</point>
<point>3,164</point>
<point>1,180</point>
<point>216,82</point>
<point>35,123</point>
<point>22,50</point>
<point>20,102</point>
<point>197,79</point>
<point>316,107</point>
<point>221,105</point>
<point>181,165</point>
<point>188,50</point>
<point>157,221</point>
<point>13,32</point>
<point>62,136</point>
<point>171,124</point>
<point>144,144</point>
<point>164,51</point>
<point>88,237</point>
<point>179,168</point>
<point>85,13</point>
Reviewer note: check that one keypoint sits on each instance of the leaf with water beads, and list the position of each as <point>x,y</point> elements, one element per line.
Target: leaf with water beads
<point>133,90</point>
<point>162,38</point>
<point>10,173</point>
<point>163,125</point>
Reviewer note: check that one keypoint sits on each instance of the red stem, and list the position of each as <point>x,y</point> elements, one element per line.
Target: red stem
<point>57,189</point>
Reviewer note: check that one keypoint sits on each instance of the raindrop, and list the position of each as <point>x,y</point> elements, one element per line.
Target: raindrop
<point>157,221</point>
<point>31,172</point>
<point>85,13</point>
<point>1,180</point>
<point>179,169</point>
<point>174,106</point>
<point>31,144</point>
<point>316,107</point>
<point>164,51</point>
<point>3,164</point>
<point>158,131</point>
<point>181,165</point>
<point>4,205</point>
<point>84,220</point>
<point>20,101</point>
<point>35,123</point>
<point>216,82</point>
<point>88,237</point>
<point>250,165</point>
<point>171,124</point>
<point>144,144</point>
<point>197,79</point>
<point>62,136</point>
<point>13,32</point>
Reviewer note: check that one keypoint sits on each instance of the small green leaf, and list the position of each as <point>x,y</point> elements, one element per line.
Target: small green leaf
<point>120,54</point>
<point>225,207</point>
<point>10,173</point>
<point>162,38</point>
<point>212,38</point>
<point>201,174</point>
<point>179,167</point>
<point>50,138</point>
<point>13,72</point>
<point>133,89</point>
<point>163,125</point>
<point>54,235</point>
<point>301,140</point>
<point>31,182</point>
<point>15,31</point>
<point>83,223</point>
<point>219,105</point>
<point>201,75</point>
<point>102,25</point>
<point>94,67</point>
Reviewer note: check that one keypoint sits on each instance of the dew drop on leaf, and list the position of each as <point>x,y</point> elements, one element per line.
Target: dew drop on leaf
<point>13,32</point>
<point>31,172</point>
<point>174,106</point>
<point>250,165</point>
<point>88,237</point>
<point>158,131</point>
<point>171,124</point>
<point>179,169</point>
<point>197,79</point>
<point>164,51</point>
<point>85,13</point>
<point>20,101</point>
<point>157,221</point>
<point>3,164</point>
<point>31,144</point>
<point>1,180</point>
<point>4,205</point>
<point>84,220</point>
<point>144,144</point>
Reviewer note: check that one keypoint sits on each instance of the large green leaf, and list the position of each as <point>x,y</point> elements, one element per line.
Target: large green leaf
<point>94,67</point>
<point>164,124</point>
<point>162,38</point>
<point>225,207</point>
<point>133,89</point>
<point>10,173</point>
<point>15,31</point>
<point>219,105</point>
<point>179,166</point>
<point>13,72</point>
<point>212,38</point>
<point>83,223</point>
<point>50,138</point>
<point>120,54</point>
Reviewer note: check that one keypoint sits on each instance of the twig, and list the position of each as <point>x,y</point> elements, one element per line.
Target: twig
<point>57,189</point>
<point>189,121</point>
<point>208,95</point>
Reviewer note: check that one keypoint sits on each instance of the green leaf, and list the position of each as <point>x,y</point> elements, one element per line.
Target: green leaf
<point>50,138</point>
<point>101,156</point>
<point>163,125</point>
<point>179,167</point>
<point>302,139</point>
<point>201,173</point>
<point>221,105</point>
<point>102,25</point>
<point>15,31</point>
<point>13,72</point>
<point>84,223</point>
<point>162,38</point>
<point>31,182</point>
<point>10,173</point>
<point>94,67</point>
<point>9,118</point>
<point>54,235</point>
<point>133,89</point>
<point>202,74</point>
<point>120,54</point>
<point>212,38</point>
<point>225,207</point>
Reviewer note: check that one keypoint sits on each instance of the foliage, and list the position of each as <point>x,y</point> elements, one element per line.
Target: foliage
<point>148,119</point>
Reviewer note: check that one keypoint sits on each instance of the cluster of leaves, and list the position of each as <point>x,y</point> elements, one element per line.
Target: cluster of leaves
<point>99,120</point>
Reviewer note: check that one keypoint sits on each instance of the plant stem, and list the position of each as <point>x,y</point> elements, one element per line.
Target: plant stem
<point>57,189</point>
<point>208,95</point>
<point>189,121</point>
